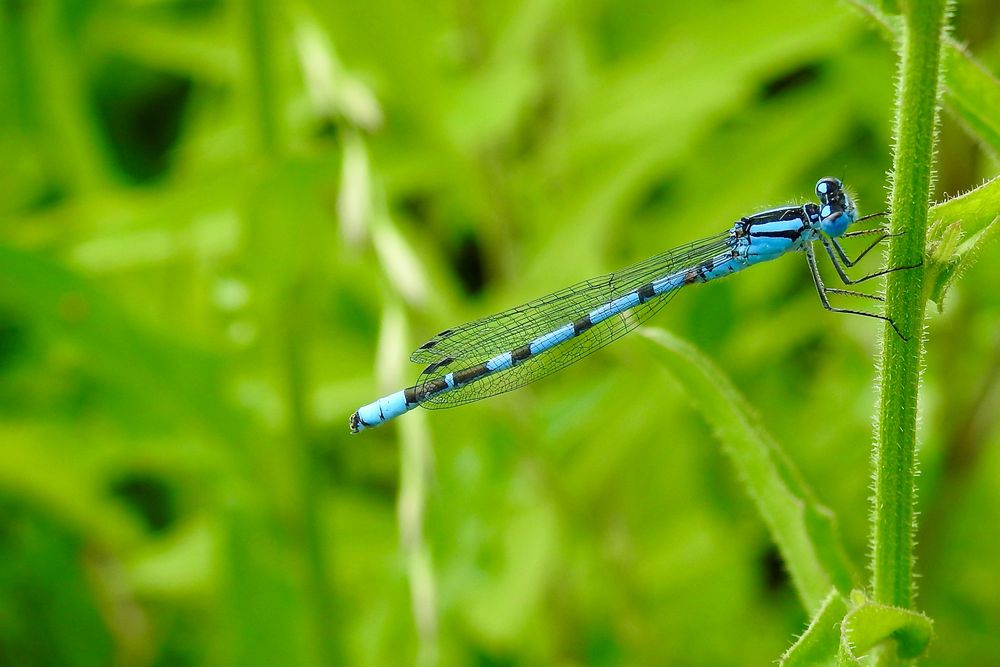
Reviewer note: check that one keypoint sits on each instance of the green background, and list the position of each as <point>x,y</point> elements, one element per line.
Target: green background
<point>224,226</point>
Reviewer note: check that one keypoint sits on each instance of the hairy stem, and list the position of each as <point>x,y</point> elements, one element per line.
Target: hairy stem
<point>895,444</point>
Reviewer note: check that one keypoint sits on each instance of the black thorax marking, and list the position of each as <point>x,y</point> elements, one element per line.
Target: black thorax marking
<point>750,225</point>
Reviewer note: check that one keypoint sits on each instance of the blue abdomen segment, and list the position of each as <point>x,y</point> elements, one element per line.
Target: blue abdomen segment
<point>381,411</point>
<point>723,268</point>
<point>668,283</point>
<point>498,363</point>
<point>551,339</point>
<point>619,305</point>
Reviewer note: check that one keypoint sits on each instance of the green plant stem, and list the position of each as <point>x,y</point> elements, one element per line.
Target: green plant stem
<point>262,76</point>
<point>894,460</point>
<point>262,20</point>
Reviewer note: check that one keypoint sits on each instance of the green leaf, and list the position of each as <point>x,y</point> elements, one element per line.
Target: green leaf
<point>868,624</point>
<point>972,94</point>
<point>962,256</point>
<point>820,643</point>
<point>971,216</point>
<point>804,531</point>
<point>941,258</point>
<point>975,209</point>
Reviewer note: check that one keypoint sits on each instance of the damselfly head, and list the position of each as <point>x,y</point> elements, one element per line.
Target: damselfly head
<point>837,209</point>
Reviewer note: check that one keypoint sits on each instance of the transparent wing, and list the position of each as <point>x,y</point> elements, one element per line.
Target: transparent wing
<point>476,342</point>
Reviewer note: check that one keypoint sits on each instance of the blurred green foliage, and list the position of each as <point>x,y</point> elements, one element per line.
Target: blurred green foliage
<point>224,226</point>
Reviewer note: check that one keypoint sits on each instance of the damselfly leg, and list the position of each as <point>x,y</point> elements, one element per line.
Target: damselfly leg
<point>854,281</point>
<point>882,232</point>
<point>822,290</point>
<point>848,292</point>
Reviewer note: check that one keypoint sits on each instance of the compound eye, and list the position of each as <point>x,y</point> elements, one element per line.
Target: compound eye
<point>827,188</point>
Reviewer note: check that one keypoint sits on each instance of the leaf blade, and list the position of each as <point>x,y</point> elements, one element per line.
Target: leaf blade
<point>804,530</point>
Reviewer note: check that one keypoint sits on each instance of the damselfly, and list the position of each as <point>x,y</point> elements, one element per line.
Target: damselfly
<point>511,349</point>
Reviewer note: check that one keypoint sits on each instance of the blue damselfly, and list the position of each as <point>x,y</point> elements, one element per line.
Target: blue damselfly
<point>511,349</point>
